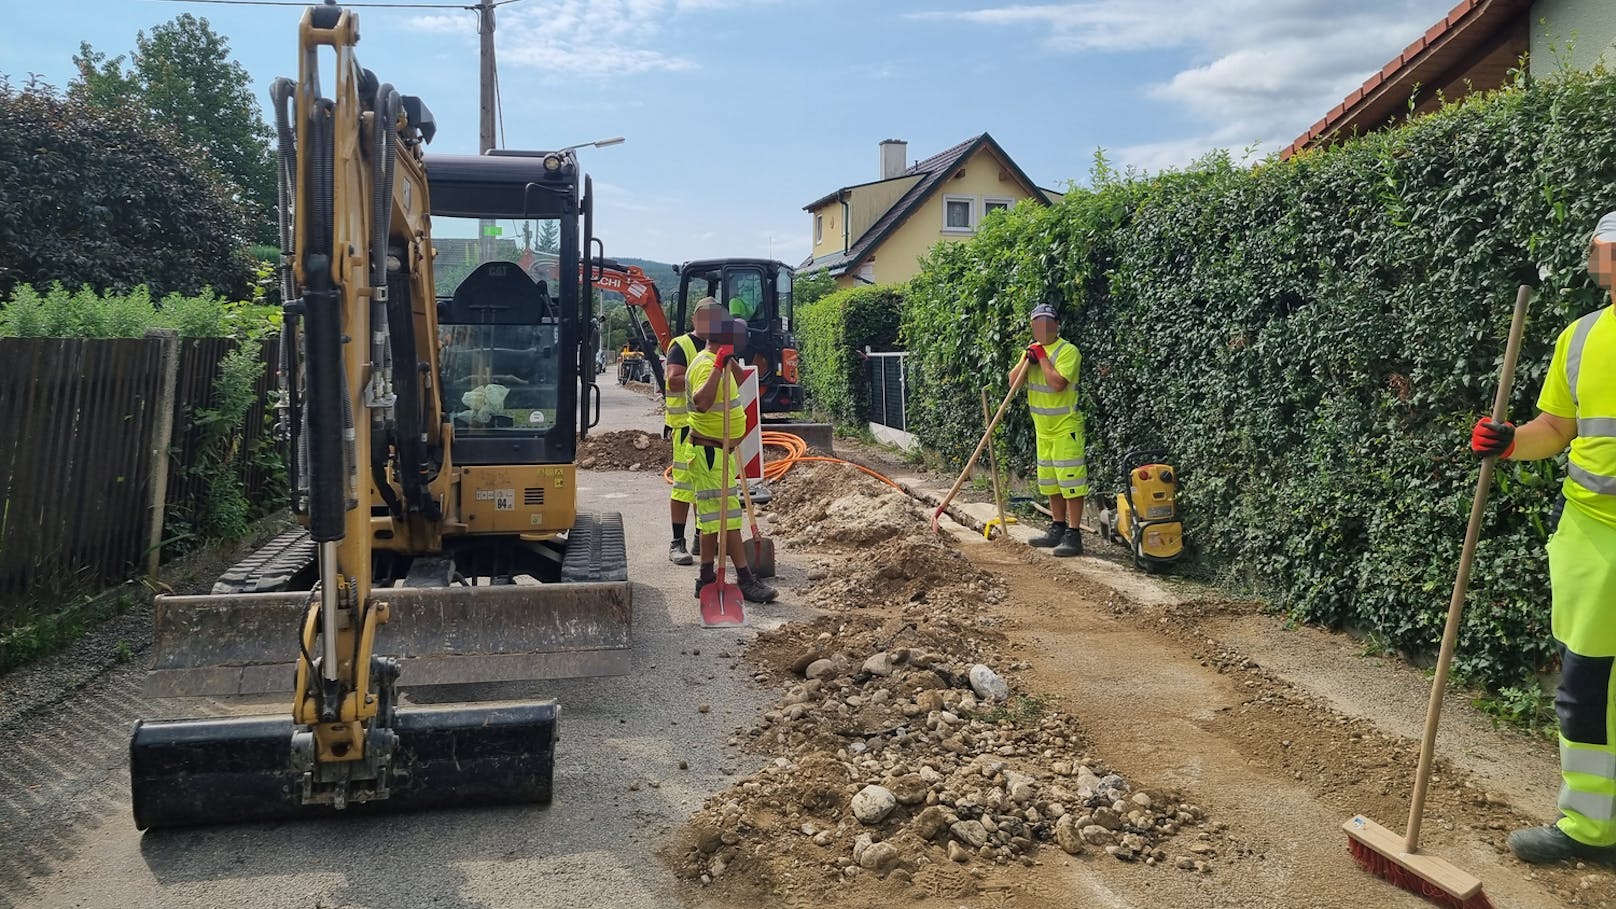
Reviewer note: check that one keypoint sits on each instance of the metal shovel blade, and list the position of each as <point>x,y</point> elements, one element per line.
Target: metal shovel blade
<point>247,643</point>
<point>760,555</point>
<point>722,605</point>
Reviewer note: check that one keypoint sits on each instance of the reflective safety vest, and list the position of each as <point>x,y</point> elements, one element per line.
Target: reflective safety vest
<point>711,422</point>
<point>1590,375</point>
<point>1055,412</point>
<point>676,404</point>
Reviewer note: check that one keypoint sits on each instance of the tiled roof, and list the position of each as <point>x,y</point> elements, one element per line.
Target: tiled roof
<point>1467,28</point>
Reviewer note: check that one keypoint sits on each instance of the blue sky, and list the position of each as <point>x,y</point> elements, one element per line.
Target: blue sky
<point>738,112</point>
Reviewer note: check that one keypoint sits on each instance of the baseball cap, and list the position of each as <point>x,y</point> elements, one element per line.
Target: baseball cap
<point>1043,311</point>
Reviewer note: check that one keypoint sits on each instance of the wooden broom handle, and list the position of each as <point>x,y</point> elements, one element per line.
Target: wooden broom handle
<point>993,465</point>
<point>1016,378</point>
<point>723,470</point>
<point>1461,584</point>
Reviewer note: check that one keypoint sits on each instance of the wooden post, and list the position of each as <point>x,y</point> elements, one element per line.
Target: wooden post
<point>993,464</point>
<point>162,433</point>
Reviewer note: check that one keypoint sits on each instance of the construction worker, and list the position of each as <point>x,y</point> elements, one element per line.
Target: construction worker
<point>1052,398</point>
<point>1578,410</point>
<point>681,353</point>
<point>713,383</point>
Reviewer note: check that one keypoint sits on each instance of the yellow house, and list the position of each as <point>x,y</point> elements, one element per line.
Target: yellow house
<point>875,233</point>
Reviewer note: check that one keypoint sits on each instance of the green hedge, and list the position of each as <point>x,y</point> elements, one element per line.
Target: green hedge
<point>832,333</point>
<point>1312,339</point>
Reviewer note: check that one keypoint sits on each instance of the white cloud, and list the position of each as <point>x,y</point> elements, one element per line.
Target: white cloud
<point>584,38</point>
<point>1258,70</point>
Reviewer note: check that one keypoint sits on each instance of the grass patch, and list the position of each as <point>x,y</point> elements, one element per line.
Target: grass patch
<point>1527,708</point>
<point>54,621</point>
<point>1021,710</point>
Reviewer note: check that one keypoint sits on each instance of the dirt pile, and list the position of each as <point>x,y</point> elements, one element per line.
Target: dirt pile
<point>893,759</point>
<point>837,507</point>
<point>919,574</point>
<point>904,751</point>
<point>625,449</point>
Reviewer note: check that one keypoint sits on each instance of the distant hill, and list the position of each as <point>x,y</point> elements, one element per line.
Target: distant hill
<point>667,282</point>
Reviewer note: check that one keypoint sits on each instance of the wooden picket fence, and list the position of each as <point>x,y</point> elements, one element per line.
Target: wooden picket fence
<point>87,445</point>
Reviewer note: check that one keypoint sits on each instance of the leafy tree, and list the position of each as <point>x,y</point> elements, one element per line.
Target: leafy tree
<point>549,236</point>
<point>810,288</point>
<point>88,196</point>
<point>182,75</point>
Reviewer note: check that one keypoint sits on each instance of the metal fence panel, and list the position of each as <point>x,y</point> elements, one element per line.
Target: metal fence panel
<point>889,393</point>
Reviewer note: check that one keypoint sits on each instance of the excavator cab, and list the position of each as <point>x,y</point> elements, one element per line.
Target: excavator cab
<point>759,291</point>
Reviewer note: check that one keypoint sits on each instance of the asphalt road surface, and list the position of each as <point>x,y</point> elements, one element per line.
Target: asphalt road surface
<point>66,837</point>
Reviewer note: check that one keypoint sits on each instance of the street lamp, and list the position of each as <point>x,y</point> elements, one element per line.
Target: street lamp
<point>598,143</point>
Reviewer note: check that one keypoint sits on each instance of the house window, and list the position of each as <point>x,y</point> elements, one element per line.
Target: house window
<point>819,229</point>
<point>959,213</point>
<point>991,205</point>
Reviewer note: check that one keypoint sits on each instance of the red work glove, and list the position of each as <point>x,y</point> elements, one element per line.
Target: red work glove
<point>1037,352</point>
<point>722,353</point>
<point>1492,440</point>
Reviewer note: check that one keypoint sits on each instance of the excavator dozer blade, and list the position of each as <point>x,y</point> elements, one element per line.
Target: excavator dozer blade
<point>214,771</point>
<point>245,643</point>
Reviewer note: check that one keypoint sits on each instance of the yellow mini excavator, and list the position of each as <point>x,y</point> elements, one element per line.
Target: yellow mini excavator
<point>433,390</point>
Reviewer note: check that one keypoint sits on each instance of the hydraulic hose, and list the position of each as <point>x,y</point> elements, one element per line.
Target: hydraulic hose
<point>281,92</point>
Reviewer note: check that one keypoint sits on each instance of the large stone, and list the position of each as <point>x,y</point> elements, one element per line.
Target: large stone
<point>863,842</point>
<point>879,665</point>
<point>1107,818</point>
<point>1095,835</point>
<point>971,833</point>
<point>958,853</point>
<point>909,789</point>
<point>822,669</point>
<point>872,804</point>
<point>880,858</point>
<point>930,822</point>
<point>801,663</point>
<point>988,685</point>
<point>1068,836</point>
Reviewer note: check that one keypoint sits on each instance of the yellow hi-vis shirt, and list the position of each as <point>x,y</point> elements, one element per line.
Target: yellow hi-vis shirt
<point>710,423</point>
<point>676,404</point>
<point>1055,412</point>
<point>1581,386</point>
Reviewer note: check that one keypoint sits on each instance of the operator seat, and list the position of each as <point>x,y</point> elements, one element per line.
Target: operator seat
<point>498,293</point>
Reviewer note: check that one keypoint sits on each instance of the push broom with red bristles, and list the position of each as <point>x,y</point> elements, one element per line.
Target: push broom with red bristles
<point>1380,851</point>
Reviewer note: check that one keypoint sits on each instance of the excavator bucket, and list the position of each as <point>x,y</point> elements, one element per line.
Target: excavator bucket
<point>237,644</point>
<point>212,771</point>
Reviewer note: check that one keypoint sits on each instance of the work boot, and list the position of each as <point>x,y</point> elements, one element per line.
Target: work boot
<point>678,554</point>
<point>1051,537</point>
<point>754,590</point>
<point>706,576</point>
<point>1071,544</point>
<point>1537,845</point>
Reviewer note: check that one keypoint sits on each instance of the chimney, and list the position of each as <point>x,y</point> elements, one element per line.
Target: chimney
<point>894,152</point>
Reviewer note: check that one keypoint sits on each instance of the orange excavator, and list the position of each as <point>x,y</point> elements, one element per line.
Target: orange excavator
<point>648,334</point>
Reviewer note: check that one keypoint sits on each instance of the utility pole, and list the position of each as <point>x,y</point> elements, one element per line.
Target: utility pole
<point>485,130</point>
<point>485,32</point>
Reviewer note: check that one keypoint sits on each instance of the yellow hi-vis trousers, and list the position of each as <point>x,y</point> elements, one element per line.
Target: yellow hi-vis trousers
<point>1582,568</point>
<point>683,489</point>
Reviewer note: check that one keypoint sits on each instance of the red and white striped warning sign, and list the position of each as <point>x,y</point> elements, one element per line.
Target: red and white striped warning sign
<point>752,442</point>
